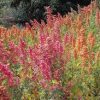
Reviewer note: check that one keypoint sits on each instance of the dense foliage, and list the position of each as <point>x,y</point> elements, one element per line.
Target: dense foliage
<point>57,60</point>
<point>35,9</point>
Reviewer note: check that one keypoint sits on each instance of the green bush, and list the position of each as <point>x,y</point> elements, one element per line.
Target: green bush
<point>24,10</point>
<point>35,9</point>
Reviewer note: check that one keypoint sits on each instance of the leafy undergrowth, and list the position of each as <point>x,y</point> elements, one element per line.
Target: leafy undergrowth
<point>59,60</point>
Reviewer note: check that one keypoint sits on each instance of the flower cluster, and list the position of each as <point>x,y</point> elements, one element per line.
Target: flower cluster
<point>55,60</point>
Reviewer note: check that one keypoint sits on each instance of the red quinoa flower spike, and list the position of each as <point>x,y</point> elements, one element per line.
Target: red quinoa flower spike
<point>84,54</point>
<point>91,39</point>
<point>6,72</point>
<point>97,20</point>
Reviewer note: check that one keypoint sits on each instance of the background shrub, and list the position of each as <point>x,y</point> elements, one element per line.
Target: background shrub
<point>22,11</point>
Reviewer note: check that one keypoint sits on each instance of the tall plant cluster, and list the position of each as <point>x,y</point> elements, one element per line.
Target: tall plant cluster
<point>57,60</point>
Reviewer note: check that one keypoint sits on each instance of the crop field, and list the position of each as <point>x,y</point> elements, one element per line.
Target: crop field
<point>57,60</point>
